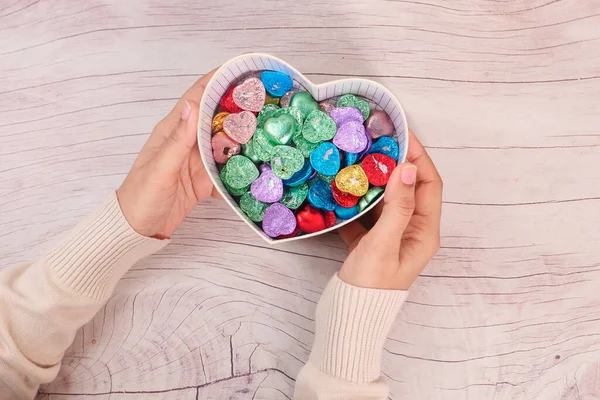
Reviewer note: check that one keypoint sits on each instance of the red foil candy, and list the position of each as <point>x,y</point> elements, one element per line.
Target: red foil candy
<point>227,103</point>
<point>291,235</point>
<point>378,168</point>
<point>329,218</point>
<point>342,198</point>
<point>310,220</point>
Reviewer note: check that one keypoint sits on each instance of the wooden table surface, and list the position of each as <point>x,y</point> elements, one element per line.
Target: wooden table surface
<point>504,94</point>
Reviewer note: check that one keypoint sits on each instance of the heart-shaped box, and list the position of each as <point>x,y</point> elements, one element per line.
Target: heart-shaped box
<point>238,68</point>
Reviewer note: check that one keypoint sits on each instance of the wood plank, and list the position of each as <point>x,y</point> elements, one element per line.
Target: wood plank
<point>503,94</point>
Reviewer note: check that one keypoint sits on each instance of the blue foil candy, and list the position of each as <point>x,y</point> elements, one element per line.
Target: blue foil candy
<point>276,83</point>
<point>386,145</point>
<point>325,159</point>
<point>301,176</point>
<point>346,213</point>
<point>350,158</point>
<point>320,196</point>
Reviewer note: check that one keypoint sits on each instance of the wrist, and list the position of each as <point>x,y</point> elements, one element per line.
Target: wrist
<point>352,324</point>
<point>131,211</point>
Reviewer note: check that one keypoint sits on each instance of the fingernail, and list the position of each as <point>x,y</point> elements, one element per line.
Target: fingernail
<point>409,175</point>
<point>187,111</point>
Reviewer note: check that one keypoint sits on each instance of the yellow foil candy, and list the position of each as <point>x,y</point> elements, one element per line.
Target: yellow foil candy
<point>217,122</point>
<point>271,100</point>
<point>352,180</point>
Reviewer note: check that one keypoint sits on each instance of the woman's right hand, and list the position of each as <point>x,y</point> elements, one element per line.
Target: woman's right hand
<point>406,233</point>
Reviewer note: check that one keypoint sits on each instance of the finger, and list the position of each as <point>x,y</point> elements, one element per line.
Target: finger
<point>398,204</point>
<point>351,232</point>
<point>429,182</point>
<point>192,94</point>
<point>377,210</point>
<point>163,129</point>
<point>181,141</point>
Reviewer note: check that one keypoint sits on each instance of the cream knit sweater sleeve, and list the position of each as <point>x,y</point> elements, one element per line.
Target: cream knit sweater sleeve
<point>43,304</point>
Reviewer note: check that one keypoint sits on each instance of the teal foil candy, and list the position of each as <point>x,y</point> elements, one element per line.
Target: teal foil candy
<point>350,158</point>
<point>386,145</point>
<point>276,83</point>
<point>320,196</point>
<point>347,213</point>
<point>301,176</point>
<point>325,159</point>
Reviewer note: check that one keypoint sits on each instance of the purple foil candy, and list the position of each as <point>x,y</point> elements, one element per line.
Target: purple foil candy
<point>379,124</point>
<point>341,115</point>
<point>266,167</point>
<point>267,187</point>
<point>351,137</point>
<point>278,220</point>
<point>366,150</point>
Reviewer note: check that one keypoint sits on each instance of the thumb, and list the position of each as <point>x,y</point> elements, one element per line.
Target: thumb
<point>398,204</point>
<point>181,140</point>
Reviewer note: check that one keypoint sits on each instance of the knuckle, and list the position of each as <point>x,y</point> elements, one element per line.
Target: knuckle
<point>406,206</point>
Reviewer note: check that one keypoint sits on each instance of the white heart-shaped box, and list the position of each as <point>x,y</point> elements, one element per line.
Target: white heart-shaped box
<point>238,68</point>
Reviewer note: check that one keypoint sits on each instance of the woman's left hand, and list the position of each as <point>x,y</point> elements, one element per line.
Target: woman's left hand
<point>168,178</point>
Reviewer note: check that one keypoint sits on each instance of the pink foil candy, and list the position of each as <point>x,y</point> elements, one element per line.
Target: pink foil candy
<point>285,100</point>
<point>250,94</point>
<point>224,147</point>
<point>240,127</point>
<point>326,107</point>
<point>379,124</point>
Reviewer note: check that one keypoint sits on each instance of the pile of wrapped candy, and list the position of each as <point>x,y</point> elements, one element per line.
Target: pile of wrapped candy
<point>294,165</point>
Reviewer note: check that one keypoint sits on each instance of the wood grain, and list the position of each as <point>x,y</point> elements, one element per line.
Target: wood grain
<point>503,93</point>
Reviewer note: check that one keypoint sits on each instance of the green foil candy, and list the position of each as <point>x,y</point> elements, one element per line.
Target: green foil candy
<point>293,197</point>
<point>318,127</point>
<point>280,129</point>
<point>240,172</point>
<point>294,112</point>
<point>285,161</point>
<point>305,102</point>
<point>232,191</point>
<point>370,197</point>
<point>267,112</point>
<point>326,178</point>
<point>304,145</point>
<point>262,146</point>
<point>350,100</point>
<point>254,209</point>
<point>248,151</point>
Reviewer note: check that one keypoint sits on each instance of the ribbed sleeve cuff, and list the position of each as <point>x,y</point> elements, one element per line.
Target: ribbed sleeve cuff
<point>352,325</point>
<point>98,252</point>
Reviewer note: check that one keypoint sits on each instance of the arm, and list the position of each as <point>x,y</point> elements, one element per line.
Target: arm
<point>360,303</point>
<point>43,304</point>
